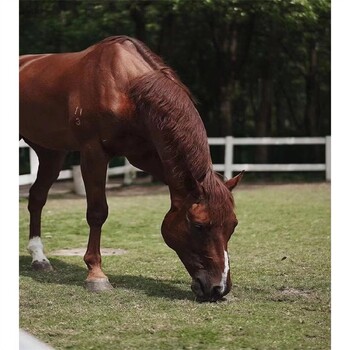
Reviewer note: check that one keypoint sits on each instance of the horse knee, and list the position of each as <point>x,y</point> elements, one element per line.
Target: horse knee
<point>36,200</point>
<point>96,217</point>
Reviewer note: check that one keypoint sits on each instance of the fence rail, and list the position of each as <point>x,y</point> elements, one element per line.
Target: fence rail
<point>228,167</point>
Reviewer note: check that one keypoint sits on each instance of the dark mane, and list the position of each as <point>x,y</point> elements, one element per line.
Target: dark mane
<point>166,106</point>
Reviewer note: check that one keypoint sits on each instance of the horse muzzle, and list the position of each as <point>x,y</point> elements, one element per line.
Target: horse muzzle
<point>205,291</point>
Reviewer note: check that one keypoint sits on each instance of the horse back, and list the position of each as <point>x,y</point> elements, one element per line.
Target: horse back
<point>63,96</point>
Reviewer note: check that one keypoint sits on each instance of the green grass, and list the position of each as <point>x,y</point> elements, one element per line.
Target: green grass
<point>280,265</point>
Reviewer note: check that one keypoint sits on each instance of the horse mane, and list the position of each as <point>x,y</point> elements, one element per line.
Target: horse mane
<point>166,106</point>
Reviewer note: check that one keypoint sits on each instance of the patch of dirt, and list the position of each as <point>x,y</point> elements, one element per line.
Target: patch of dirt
<point>296,292</point>
<point>289,294</point>
<point>81,252</point>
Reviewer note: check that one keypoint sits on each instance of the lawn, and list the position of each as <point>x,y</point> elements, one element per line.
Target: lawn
<point>280,266</point>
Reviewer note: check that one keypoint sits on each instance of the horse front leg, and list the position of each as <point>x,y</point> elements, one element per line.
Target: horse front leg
<point>94,163</point>
<point>150,163</point>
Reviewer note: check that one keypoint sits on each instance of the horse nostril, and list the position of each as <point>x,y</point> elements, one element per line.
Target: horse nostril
<point>216,293</point>
<point>198,287</point>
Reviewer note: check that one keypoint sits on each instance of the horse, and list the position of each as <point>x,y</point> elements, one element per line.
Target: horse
<point>118,98</point>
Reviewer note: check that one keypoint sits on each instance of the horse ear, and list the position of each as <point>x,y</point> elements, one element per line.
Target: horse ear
<point>232,183</point>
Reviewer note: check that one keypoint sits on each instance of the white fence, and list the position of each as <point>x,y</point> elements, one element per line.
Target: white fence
<point>228,167</point>
<point>27,179</point>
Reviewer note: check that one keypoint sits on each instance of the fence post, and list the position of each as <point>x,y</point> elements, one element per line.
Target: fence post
<point>228,156</point>
<point>328,158</point>
<point>129,174</point>
<point>34,164</point>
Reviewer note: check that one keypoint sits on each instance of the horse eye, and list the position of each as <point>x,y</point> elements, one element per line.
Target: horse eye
<point>198,227</point>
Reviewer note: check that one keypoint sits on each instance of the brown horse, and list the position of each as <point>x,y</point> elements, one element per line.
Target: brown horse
<point>119,98</point>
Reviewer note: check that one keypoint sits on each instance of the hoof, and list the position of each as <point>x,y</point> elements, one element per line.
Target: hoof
<point>43,265</point>
<point>98,285</point>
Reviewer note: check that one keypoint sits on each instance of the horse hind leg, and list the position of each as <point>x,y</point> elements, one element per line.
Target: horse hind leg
<point>50,164</point>
<point>94,162</point>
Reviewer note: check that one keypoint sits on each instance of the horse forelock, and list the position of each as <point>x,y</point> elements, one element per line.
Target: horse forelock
<point>217,196</point>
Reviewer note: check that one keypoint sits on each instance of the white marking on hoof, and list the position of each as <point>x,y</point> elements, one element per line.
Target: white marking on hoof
<point>224,274</point>
<point>35,248</point>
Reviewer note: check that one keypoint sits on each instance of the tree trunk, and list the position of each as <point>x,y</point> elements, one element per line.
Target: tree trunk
<point>264,115</point>
<point>225,110</point>
<point>311,90</point>
<point>311,85</point>
<point>165,43</point>
<point>137,13</point>
<point>226,67</point>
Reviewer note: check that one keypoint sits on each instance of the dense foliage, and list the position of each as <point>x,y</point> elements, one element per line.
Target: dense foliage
<point>257,68</point>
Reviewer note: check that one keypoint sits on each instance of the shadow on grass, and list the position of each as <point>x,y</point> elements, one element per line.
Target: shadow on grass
<point>70,274</point>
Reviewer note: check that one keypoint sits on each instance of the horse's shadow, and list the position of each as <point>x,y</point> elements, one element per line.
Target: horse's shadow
<point>70,274</point>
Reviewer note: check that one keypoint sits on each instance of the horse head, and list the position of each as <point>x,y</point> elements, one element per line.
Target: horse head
<point>199,230</point>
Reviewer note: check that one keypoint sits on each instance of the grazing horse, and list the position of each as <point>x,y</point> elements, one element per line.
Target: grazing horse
<point>117,98</point>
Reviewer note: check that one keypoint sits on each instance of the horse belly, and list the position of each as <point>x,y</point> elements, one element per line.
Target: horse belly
<point>47,127</point>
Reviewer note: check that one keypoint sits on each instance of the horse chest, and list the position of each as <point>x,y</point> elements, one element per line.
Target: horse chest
<point>127,144</point>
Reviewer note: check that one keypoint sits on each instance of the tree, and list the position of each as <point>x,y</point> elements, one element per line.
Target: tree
<point>257,68</point>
